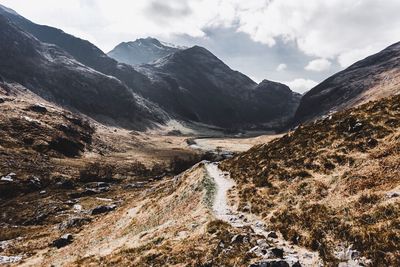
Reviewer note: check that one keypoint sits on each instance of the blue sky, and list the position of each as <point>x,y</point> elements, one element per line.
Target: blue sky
<point>298,42</point>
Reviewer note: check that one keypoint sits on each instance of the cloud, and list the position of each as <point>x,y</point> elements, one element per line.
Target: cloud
<point>281,67</point>
<point>297,32</point>
<point>168,9</point>
<point>347,58</point>
<point>318,65</point>
<point>301,85</point>
<point>325,29</point>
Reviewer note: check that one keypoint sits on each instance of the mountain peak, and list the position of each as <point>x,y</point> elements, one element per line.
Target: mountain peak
<point>146,41</point>
<point>142,51</point>
<point>195,56</point>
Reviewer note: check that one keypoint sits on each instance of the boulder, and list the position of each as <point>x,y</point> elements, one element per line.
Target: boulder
<point>67,147</point>
<point>34,183</point>
<point>272,235</point>
<point>136,185</point>
<point>38,108</point>
<point>271,264</point>
<point>278,252</point>
<point>8,178</point>
<point>98,185</point>
<point>85,193</point>
<point>238,239</point>
<point>9,259</point>
<point>65,184</point>
<point>62,241</point>
<point>103,209</point>
<point>372,142</point>
<point>392,194</point>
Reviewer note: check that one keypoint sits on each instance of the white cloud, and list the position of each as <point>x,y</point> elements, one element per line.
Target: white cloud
<point>115,21</point>
<point>326,29</point>
<point>349,57</point>
<point>320,64</point>
<point>281,67</point>
<point>336,30</point>
<point>301,85</point>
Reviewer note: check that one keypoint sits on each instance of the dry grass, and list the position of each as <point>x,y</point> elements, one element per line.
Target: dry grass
<point>325,184</point>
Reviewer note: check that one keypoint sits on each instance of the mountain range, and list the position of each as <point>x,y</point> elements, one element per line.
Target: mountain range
<point>152,82</point>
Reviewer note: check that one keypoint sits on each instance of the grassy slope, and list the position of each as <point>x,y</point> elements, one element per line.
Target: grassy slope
<point>326,183</point>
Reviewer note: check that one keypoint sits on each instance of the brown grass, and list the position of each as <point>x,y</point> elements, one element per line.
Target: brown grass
<point>325,183</point>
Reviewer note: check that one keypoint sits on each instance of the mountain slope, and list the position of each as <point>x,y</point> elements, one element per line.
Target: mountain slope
<point>191,84</point>
<point>82,50</point>
<point>332,185</point>
<point>53,74</point>
<point>375,77</point>
<point>195,84</point>
<point>141,51</point>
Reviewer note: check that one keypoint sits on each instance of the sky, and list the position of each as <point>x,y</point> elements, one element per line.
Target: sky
<point>297,42</point>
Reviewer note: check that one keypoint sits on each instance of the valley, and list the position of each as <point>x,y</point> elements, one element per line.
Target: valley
<point>168,205</point>
<point>156,154</point>
<point>118,172</point>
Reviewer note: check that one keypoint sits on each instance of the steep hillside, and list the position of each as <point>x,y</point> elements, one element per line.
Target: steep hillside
<point>55,75</point>
<point>141,51</point>
<point>375,77</point>
<point>82,50</point>
<point>195,84</point>
<point>332,185</point>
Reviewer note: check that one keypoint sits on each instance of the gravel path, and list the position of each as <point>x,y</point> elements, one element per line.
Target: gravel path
<point>222,210</point>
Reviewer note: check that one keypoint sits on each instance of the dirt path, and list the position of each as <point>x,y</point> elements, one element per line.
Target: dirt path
<point>223,211</point>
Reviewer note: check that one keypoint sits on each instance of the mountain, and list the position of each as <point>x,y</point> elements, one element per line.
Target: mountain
<point>53,74</point>
<point>190,84</point>
<point>195,84</point>
<point>82,50</point>
<point>141,51</point>
<point>372,78</point>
